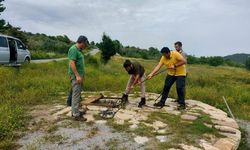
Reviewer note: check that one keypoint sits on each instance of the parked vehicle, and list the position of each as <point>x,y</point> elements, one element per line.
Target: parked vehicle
<point>13,51</point>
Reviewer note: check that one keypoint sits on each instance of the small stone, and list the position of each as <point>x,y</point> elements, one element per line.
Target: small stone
<point>101,121</point>
<point>159,124</point>
<point>188,117</point>
<point>63,111</point>
<point>162,138</point>
<point>89,118</point>
<point>133,126</point>
<point>141,140</point>
<point>162,131</point>
<point>189,147</point>
<point>208,125</point>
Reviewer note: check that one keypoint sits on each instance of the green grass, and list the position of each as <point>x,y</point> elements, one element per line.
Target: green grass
<point>183,132</point>
<point>46,55</point>
<point>34,84</point>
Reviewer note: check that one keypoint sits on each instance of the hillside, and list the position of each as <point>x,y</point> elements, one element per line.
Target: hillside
<point>238,58</point>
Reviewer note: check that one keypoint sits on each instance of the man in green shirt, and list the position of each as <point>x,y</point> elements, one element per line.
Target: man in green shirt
<point>76,73</point>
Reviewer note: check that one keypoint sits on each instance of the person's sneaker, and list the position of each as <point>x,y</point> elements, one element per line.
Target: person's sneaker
<point>181,107</point>
<point>142,102</point>
<point>80,118</point>
<point>159,104</point>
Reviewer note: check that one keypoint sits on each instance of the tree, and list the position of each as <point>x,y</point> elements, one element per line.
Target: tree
<point>248,63</point>
<point>15,31</point>
<point>2,22</point>
<point>108,48</point>
<point>215,61</point>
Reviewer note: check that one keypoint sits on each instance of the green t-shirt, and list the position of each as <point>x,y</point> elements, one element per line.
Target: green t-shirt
<point>76,55</point>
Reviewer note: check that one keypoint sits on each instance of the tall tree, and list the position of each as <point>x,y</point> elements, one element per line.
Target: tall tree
<point>108,48</point>
<point>2,22</point>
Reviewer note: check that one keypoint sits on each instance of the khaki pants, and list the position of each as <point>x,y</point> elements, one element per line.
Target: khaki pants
<point>142,85</point>
<point>76,97</point>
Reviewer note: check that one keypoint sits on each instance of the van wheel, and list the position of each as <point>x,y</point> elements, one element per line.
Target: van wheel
<point>27,60</point>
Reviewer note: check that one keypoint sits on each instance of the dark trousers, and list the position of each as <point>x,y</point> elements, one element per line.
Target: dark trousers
<point>180,88</point>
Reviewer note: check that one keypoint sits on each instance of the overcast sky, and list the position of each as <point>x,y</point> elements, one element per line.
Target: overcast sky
<point>206,27</point>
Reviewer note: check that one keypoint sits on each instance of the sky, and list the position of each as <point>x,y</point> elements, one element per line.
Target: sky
<point>205,27</point>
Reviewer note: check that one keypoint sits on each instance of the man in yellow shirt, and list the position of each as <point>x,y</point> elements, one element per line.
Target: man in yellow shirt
<point>176,72</point>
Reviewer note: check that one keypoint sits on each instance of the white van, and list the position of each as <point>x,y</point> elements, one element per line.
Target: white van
<point>13,51</point>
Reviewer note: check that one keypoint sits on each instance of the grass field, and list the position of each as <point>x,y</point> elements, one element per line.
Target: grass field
<point>42,83</point>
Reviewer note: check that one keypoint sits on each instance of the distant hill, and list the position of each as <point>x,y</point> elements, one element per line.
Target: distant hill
<point>238,58</point>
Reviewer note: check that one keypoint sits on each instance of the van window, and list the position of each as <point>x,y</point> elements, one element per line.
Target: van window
<point>20,45</point>
<point>3,42</point>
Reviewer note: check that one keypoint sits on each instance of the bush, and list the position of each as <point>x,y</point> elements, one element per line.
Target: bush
<point>248,63</point>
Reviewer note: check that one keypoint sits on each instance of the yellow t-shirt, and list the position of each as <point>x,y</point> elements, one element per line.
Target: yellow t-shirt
<point>174,58</point>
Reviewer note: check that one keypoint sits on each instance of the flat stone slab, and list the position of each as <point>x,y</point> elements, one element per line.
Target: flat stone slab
<point>141,140</point>
<point>188,117</point>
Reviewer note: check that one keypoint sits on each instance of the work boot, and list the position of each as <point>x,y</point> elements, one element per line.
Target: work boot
<point>142,102</point>
<point>181,107</point>
<point>159,104</point>
<point>80,118</point>
<point>124,98</point>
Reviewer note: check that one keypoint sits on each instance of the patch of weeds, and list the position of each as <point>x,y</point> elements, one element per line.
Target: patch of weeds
<point>92,132</point>
<point>52,128</point>
<point>97,117</point>
<point>90,123</point>
<point>119,127</point>
<point>53,138</point>
<point>144,130</point>
<point>243,143</point>
<point>112,144</point>
<point>31,147</point>
<point>183,132</point>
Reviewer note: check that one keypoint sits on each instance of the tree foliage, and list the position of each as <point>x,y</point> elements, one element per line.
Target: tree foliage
<point>248,63</point>
<point>2,22</point>
<point>108,48</point>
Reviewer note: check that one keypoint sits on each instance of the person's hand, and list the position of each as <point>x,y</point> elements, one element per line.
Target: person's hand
<point>131,87</point>
<point>78,79</point>
<point>172,67</point>
<point>149,76</point>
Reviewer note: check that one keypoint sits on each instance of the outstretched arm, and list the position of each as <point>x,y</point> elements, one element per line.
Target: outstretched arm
<point>156,69</point>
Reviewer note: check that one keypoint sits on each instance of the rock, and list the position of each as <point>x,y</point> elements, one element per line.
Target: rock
<point>234,138</point>
<point>226,129</point>
<point>207,146</point>
<point>162,138</point>
<point>227,122</point>
<point>193,114</point>
<point>189,147</point>
<point>141,140</point>
<point>89,117</point>
<point>133,126</point>
<point>63,111</point>
<point>120,122</point>
<point>159,124</point>
<point>125,114</point>
<point>224,144</point>
<point>101,121</point>
<point>208,125</point>
<point>162,131</point>
<point>188,117</point>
